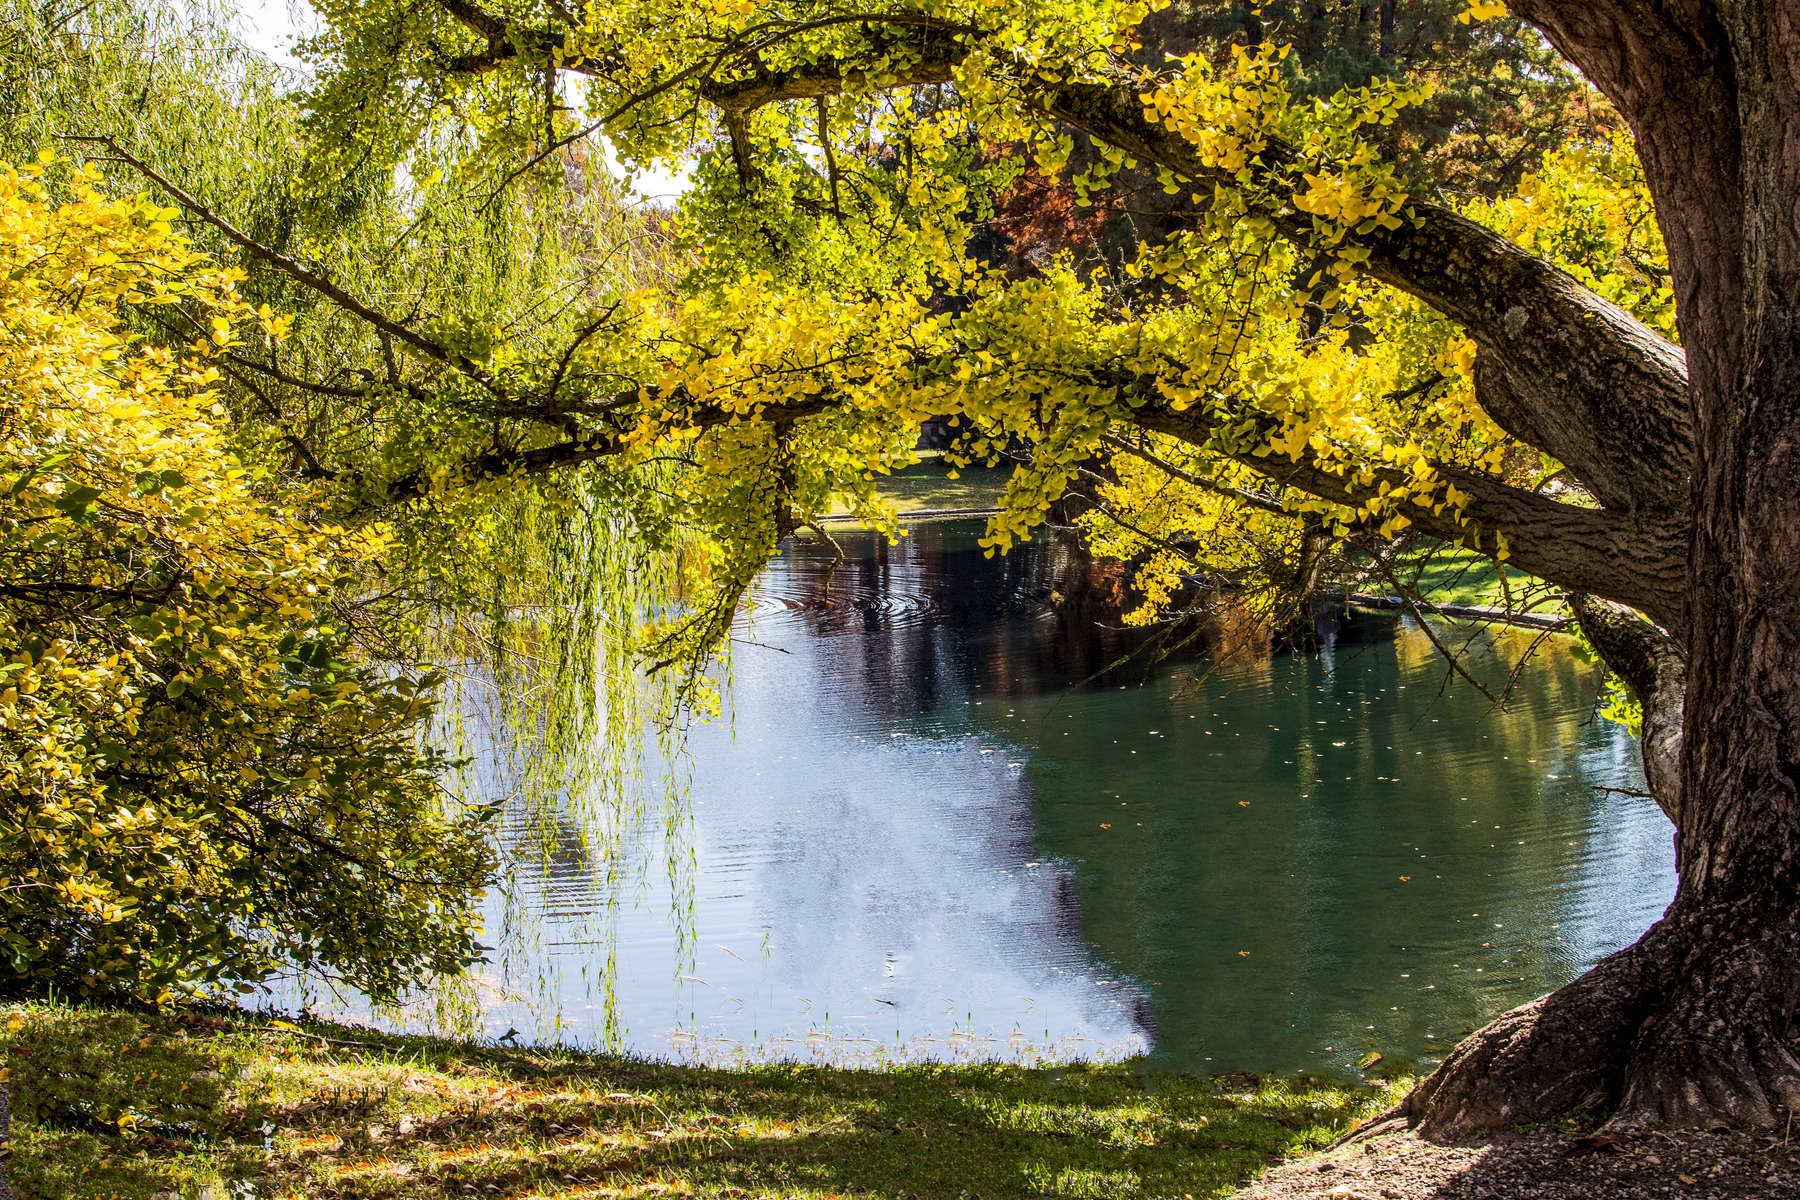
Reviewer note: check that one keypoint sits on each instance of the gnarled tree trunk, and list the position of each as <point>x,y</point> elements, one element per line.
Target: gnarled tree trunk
<point>1695,1023</point>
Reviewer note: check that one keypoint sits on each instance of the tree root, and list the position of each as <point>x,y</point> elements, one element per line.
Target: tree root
<point>1557,1053</point>
<point>1690,1027</point>
<point>1720,1052</point>
<point>1756,1085</point>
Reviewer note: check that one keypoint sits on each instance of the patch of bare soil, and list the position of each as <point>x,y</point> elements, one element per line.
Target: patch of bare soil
<point>1546,1166</point>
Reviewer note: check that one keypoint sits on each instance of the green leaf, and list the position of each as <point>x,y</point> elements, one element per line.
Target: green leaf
<point>78,502</point>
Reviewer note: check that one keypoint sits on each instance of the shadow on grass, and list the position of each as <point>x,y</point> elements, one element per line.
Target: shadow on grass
<point>350,1114</point>
<point>1008,1133</point>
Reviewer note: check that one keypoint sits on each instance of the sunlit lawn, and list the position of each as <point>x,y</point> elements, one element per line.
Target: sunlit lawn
<point>143,1104</point>
<point>927,487</point>
<point>1458,576</point>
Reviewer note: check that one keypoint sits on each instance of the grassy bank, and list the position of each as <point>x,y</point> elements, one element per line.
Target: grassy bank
<point>1455,575</point>
<point>141,1104</point>
<point>927,486</point>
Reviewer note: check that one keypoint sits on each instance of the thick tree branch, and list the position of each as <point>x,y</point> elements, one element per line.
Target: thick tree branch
<point>934,62</point>
<point>1652,663</point>
<point>507,41</point>
<point>1591,550</point>
<point>480,21</point>
<point>1669,69</point>
<point>1581,369</point>
<point>597,445</point>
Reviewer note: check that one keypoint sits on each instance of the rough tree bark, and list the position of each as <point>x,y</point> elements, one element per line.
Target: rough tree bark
<point>1655,667</point>
<point>1694,1024</point>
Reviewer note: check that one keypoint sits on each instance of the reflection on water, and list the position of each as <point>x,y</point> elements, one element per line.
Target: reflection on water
<point>919,833</point>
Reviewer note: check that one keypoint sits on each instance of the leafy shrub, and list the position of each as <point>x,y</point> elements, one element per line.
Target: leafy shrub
<point>199,783</point>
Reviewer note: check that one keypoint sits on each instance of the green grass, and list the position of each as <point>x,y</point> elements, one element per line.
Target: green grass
<point>1455,575</point>
<point>927,487</point>
<point>145,1104</point>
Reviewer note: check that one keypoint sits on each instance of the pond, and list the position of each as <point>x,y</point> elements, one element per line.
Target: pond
<point>939,821</point>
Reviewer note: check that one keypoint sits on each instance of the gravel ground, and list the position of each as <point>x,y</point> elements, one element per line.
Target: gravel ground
<point>6,1192</point>
<point>1546,1166</point>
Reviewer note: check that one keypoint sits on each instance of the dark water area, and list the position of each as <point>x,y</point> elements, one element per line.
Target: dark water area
<point>938,821</point>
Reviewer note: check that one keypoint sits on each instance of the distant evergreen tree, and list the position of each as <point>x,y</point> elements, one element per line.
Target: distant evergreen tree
<point>1501,101</point>
<point>1502,98</point>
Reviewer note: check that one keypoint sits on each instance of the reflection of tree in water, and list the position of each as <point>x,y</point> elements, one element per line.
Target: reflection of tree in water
<point>1339,848</point>
<point>933,618</point>
<point>1012,835</point>
<point>553,846</point>
<point>1236,797</point>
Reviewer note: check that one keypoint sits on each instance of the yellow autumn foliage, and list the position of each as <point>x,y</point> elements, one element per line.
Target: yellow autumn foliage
<point>195,786</point>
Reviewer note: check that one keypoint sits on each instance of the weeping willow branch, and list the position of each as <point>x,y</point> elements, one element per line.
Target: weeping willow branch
<point>298,272</point>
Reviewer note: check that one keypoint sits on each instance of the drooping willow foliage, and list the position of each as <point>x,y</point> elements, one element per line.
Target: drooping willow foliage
<point>517,601</point>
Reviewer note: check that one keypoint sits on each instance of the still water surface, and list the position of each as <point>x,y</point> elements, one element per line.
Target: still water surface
<point>933,825</point>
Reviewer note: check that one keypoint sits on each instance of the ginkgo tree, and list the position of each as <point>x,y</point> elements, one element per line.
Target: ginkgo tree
<point>1321,342</point>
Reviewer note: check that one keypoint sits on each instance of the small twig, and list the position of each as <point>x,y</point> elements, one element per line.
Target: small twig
<point>759,645</point>
<point>808,521</point>
<point>588,331</point>
<point>540,156</point>
<point>1105,510</point>
<point>1454,660</point>
<point>319,1037</point>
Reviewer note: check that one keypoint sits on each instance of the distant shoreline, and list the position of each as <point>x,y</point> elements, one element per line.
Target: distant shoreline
<point>1549,622</point>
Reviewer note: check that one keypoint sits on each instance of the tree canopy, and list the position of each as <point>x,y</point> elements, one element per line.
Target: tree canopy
<point>264,655</point>
<point>1307,343</point>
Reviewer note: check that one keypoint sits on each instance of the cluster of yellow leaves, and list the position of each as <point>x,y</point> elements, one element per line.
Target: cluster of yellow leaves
<point>1587,209</point>
<point>774,405</point>
<point>168,698</point>
<point>1481,10</point>
<point>1337,176</point>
